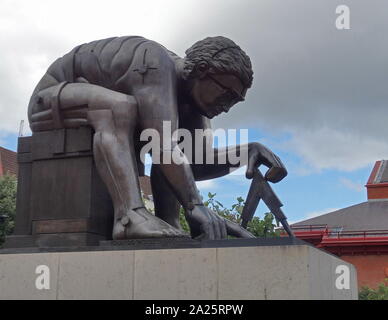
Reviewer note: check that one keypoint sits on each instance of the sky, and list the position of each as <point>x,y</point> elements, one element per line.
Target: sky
<point>318,98</point>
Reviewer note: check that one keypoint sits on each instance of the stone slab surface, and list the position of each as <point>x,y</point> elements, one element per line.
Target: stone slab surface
<point>293,271</point>
<point>18,276</point>
<point>151,244</point>
<point>96,276</point>
<point>176,274</point>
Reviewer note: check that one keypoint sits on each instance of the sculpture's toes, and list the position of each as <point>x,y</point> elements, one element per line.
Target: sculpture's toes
<point>150,227</point>
<point>145,234</point>
<point>172,232</point>
<point>119,232</point>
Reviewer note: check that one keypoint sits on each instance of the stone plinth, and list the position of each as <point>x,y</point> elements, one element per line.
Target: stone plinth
<point>282,269</point>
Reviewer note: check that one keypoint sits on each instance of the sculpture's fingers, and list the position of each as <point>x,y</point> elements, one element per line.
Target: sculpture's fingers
<point>236,230</point>
<point>251,166</point>
<point>207,232</point>
<point>42,115</point>
<point>275,174</point>
<point>277,169</point>
<point>200,237</point>
<point>217,228</point>
<point>224,232</point>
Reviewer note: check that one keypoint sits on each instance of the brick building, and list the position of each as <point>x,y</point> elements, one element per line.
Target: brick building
<point>359,233</point>
<point>8,162</point>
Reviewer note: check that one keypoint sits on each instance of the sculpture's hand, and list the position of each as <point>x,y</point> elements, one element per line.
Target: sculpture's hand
<point>44,96</point>
<point>259,154</point>
<point>205,224</point>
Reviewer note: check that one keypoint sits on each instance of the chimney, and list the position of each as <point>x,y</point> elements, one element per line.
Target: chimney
<point>377,185</point>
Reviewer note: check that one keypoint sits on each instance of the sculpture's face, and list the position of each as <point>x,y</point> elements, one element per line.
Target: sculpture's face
<point>216,93</point>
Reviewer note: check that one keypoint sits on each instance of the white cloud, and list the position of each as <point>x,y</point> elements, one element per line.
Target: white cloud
<point>34,34</point>
<point>235,174</point>
<point>206,184</point>
<point>329,148</point>
<point>325,88</point>
<point>354,186</point>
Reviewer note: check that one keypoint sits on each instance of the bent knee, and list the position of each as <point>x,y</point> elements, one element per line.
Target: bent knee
<point>101,120</point>
<point>102,98</point>
<point>43,108</point>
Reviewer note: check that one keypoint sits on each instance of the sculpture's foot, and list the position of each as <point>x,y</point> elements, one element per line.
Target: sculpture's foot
<point>149,227</point>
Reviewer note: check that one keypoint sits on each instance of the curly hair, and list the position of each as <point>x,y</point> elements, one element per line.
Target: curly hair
<point>222,55</point>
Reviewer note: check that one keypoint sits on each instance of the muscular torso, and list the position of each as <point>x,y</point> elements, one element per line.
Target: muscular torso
<point>131,65</point>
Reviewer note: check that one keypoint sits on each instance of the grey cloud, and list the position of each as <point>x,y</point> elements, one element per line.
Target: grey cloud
<point>326,89</point>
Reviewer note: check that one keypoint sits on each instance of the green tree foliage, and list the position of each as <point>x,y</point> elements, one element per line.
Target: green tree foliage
<point>7,205</point>
<point>381,293</point>
<point>259,227</point>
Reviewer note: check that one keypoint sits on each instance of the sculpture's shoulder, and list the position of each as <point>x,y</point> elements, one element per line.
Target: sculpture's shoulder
<point>151,65</point>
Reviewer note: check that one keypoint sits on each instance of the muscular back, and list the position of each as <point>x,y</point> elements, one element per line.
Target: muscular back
<point>108,62</point>
<point>116,63</point>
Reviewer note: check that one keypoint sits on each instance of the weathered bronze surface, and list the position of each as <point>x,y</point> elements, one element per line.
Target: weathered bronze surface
<point>122,86</point>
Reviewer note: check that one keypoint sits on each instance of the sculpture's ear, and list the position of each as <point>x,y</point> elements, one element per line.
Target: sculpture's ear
<point>201,69</point>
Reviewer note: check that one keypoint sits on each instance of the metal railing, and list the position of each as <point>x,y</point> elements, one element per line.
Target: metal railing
<point>330,234</point>
<point>310,228</point>
<point>368,234</point>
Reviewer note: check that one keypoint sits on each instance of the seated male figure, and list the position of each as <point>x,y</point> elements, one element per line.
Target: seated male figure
<point>122,86</point>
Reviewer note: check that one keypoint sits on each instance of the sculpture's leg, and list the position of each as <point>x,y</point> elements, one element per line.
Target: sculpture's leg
<point>166,204</point>
<point>115,158</point>
<point>113,116</point>
<point>169,159</point>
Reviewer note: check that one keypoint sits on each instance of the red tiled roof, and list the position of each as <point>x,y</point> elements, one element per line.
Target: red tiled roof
<point>8,162</point>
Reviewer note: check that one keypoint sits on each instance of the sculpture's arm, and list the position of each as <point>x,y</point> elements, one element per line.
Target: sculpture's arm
<point>226,159</point>
<point>203,223</point>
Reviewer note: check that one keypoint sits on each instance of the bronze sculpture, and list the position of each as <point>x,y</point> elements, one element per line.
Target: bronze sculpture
<point>121,86</point>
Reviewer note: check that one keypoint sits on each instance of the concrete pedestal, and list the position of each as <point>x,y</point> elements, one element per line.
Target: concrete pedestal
<point>211,271</point>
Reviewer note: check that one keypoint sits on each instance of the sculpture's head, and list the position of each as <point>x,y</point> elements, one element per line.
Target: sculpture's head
<point>218,74</point>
